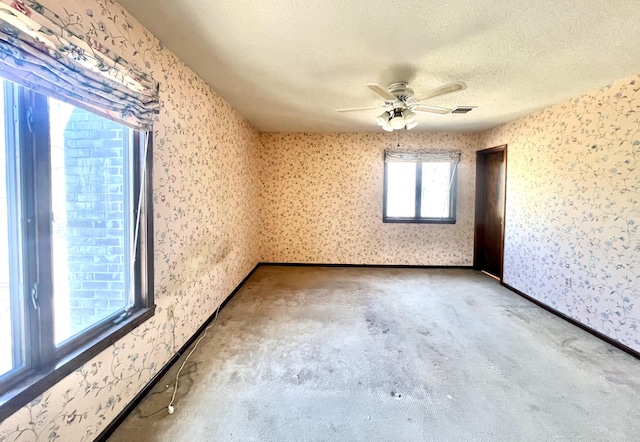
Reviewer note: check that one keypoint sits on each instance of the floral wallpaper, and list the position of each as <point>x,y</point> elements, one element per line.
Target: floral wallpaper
<point>321,198</point>
<point>205,187</point>
<point>573,208</point>
<point>226,197</point>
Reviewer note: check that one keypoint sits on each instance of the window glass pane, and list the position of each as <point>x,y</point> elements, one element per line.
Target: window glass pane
<point>5,295</point>
<point>91,204</point>
<point>401,189</point>
<point>436,179</point>
<point>11,330</point>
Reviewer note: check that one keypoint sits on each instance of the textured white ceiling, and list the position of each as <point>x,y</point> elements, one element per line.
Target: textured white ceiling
<point>286,65</point>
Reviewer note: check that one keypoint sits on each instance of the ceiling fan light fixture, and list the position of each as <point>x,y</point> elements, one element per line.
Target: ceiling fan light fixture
<point>412,125</point>
<point>387,127</point>
<point>397,121</point>
<point>409,117</point>
<point>383,118</point>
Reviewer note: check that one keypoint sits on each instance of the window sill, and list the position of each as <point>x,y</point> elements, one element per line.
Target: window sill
<point>38,381</point>
<point>420,220</point>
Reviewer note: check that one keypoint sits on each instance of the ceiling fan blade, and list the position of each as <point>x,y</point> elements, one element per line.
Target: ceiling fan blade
<point>357,109</point>
<point>446,89</point>
<point>431,109</point>
<point>381,91</point>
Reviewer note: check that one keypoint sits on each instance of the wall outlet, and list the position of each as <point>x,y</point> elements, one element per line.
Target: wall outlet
<point>568,282</point>
<point>170,311</point>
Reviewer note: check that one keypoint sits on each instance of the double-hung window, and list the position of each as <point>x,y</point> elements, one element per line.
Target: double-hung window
<point>75,238</point>
<point>420,186</point>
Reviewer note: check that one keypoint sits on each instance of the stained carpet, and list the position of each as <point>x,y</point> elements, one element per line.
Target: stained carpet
<point>359,354</point>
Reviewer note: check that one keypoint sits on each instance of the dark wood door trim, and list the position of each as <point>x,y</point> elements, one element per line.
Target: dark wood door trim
<point>480,155</point>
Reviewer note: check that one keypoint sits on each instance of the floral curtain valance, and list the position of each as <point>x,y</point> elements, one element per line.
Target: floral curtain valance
<point>39,51</point>
<point>400,155</point>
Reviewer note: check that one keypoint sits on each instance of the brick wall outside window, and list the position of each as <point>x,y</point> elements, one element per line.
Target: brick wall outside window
<point>95,208</point>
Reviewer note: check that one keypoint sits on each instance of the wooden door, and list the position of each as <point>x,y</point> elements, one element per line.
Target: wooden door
<point>490,207</point>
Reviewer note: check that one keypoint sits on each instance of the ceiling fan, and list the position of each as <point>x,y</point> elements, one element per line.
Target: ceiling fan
<point>401,107</point>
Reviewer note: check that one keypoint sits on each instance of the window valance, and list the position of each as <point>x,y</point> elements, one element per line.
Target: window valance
<point>41,52</point>
<point>423,155</point>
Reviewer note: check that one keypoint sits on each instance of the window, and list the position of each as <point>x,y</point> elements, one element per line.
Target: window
<point>75,239</point>
<point>420,187</point>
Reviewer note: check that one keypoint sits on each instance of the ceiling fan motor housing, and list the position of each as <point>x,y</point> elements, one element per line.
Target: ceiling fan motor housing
<point>400,90</point>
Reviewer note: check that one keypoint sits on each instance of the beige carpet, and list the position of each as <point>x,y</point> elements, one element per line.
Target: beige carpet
<point>359,354</point>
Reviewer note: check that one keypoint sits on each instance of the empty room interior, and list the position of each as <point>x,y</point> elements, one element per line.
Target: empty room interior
<point>363,220</point>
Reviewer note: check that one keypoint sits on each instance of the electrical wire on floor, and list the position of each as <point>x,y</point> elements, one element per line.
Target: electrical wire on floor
<point>175,386</point>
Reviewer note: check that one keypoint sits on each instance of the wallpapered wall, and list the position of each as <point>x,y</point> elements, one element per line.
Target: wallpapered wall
<point>205,187</point>
<point>321,198</point>
<point>573,208</point>
<point>573,212</point>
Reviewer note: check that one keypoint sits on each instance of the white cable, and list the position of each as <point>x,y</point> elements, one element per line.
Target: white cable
<point>136,233</point>
<point>175,386</point>
<point>453,174</point>
<point>141,193</point>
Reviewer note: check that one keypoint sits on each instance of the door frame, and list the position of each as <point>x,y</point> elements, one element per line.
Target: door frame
<point>478,211</point>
